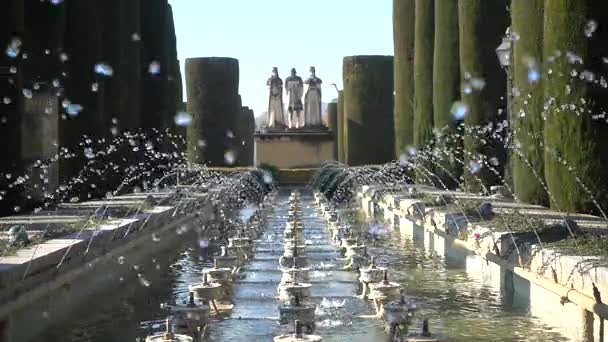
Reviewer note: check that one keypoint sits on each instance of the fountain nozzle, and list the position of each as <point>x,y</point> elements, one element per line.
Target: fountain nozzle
<point>191,302</point>
<point>299,331</point>
<point>385,277</point>
<point>169,330</point>
<point>425,328</point>
<point>402,293</point>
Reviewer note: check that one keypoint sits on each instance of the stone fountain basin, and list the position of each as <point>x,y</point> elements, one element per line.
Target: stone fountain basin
<point>289,291</point>
<point>301,274</point>
<point>355,251</point>
<point>219,274</point>
<point>432,338</point>
<point>398,313</point>
<point>372,275</point>
<point>385,291</point>
<point>162,338</point>
<point>294,338</point>
<point>293,262</point>
<point>226,261</point>
<point>209,291</point>
<point>304,313</point>
<point>182,315</point>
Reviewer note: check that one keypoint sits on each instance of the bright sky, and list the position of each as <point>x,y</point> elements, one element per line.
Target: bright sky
<point>262,34</point>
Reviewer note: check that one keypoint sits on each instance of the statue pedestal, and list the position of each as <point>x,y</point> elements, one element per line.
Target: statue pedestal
<point>294,149</point>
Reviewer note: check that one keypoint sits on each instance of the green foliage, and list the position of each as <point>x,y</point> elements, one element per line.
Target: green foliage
<point>403,36</point>
<point>574,143</point>
<point>368,108</point>
<point>482,25</point>
<point>527,18</point>
<point>423,73</point>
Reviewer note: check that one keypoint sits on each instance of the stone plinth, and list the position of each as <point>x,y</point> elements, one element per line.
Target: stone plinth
<point>294,149</point>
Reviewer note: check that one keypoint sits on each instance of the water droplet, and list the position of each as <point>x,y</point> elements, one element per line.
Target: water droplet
<point>183,119</point>
<point>121,260</point>
<point>459,110</point>
<point>104,69</point>
<point>230,157</point>
<point>202,143</point>
<point>56,2</point>
<point>17,208</point>
<point>7,100</point>
<point>73,109</point>
<point>533,76</point>
<point>154,68</point>
<point>155,238</point>
<point>143,281</point>
<point>135,37</point>
<point>478,83</point>
<point>474,166</point>
<point>27,93</point>
<point>64,57</point>
<point>13,69</point>
<point>88,153</point>
<point>494,161</point>
<point>94,87</point>
<point>590,28</point>
<point>229,134</point>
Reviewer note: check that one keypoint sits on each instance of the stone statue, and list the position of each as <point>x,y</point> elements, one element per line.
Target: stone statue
<point>294,87</point>
<point>312,101</point>
<point>276,117</point>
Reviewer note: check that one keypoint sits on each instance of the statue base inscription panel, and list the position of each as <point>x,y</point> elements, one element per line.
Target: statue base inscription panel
<point>295,149</point>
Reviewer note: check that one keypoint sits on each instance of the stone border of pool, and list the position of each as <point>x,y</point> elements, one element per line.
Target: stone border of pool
<point>539,266</point>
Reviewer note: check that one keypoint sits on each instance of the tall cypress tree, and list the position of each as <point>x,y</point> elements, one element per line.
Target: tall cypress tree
<point>83,44</point>
<point>446,89</point>
<point>423,73</point>
<point>482,25</point>
<point>571,134</point>
<point>527,119</point>
<point>11,27</point>
<point>131,65</point>
<point>403,36</point>
<point>172,85</point>
<point>340,128</point>
<point>155,66</point>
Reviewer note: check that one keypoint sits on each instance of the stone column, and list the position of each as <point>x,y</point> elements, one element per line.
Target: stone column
<point>332,122</point>
<point>340,127</point>
<point>482,26</point>
<point>368,108</point>
<point>403,35</point>
<point>212,86</point>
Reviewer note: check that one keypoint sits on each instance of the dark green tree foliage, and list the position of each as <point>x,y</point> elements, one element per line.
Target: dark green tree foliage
<point>248,147</point>
<point>527,119</point>
<point>482,25</point>
<point>131,65</point>
<point>212,89</point>
<point>113,29</point>
<point>83,45</point>
<point>43,40</point>
<point>446,88</point>
<point>340,127</point>
<point>11,26</point>
<point>403,36</point>
<point>154,34</point>
<point>332,122</point>
<point>571,134</point>
<point>172,92</point>
<point>368,108</point>
<point>423,73</point>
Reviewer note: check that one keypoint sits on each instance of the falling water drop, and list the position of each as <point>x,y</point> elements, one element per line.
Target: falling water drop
<point>590,28</point>
<point>121,260</point>
<point>533,75</point>
<point>459,110</point>
<point>27,93</point>
<point>73,109</point>
<point>135,37</point>
<point>474,166</point>
<point>230,157</point>
<point>7,100</point>
<point>104,69</point>
<point>154,68</point>
<point>183,119</point>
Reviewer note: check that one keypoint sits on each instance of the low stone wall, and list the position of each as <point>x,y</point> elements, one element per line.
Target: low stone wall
<point>543,269</point>
<point>39,272</point>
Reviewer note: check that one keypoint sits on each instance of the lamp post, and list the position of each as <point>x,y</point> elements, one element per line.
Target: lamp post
<point>505,58</point>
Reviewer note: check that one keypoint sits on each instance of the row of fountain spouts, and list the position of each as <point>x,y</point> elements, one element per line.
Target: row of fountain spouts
<point>294,267</point>
<point>389,298</point>
<point>216,287</point>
